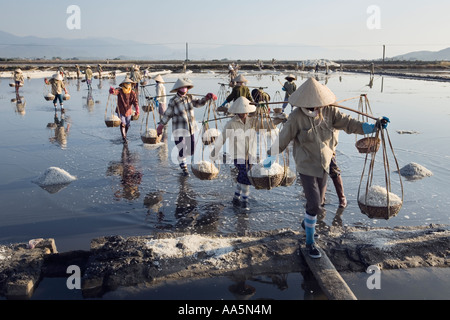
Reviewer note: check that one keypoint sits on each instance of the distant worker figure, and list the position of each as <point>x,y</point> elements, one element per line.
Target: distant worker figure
<point>99,70</point>
<point>58,87</point>
<point>239,90</point>
<point>160,98</point>
<point>126,99</point>
<point>77,67</point>
<point>18,79</point>
<point>289,87</point>
<point>88,75</point>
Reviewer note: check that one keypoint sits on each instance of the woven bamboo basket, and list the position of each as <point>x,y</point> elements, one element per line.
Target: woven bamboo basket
<point>49,97</point>
<point>204,175</point>
<point>288,178</point>
<point>266,183</point>
<point>112,123</point>
<point>147,108</point>
<point>134,117</point>
<point>386,212</point>
<point>66,97</point>
<point>368,145</point>
<point>277,110</point>
<point>151,140</point>
<point>12,84</point>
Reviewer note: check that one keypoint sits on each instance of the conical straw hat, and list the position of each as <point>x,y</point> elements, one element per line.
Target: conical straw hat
<point>240,78</point>
<point>126,80</point>
<point>159,78</point>
<point>242,105</point>
<point>312,94</point>
<point>291,76</point>
<point>182,83</point>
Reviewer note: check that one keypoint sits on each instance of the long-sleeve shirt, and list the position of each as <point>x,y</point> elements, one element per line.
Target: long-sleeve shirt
<point>125,102</point>
<point>18,77</point>
<point>315,143</point>
<point>88,74</point>
<point>181,110</point>
<point>290,87</point>
<point>161,93</point>
<point>241,138</point>
<point>57,86</point>
<point>239,91</point>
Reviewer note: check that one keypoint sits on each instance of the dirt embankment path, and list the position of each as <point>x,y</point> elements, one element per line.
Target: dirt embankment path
<point>116,261</point>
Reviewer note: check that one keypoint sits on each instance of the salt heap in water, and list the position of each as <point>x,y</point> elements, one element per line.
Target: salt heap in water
<point>54,176</point>
<point>415,171</point>
<point>377,197</point>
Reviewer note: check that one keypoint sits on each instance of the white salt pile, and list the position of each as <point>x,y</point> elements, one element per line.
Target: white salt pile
<point>150,133</point>
<point>54,176</point>
<point>415,171</point>
<point>113,118</point>
<point>205,166</point>
<point>377,197</point>
<point>258,170</point>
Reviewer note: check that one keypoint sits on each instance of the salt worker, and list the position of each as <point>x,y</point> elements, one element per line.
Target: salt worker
<point>18,79</point>
<point>126,99</point>
<point>289,88</point>
<point>88,75</point>
<point>160,98</point>
<point>58,87</point>
<point>311,128</point>
<point>184,126</point>
<point>242,151</point>
<point>239,90</point>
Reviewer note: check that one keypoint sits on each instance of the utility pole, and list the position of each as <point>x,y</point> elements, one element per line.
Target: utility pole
<point>187,52</point>
<point>384,52</point>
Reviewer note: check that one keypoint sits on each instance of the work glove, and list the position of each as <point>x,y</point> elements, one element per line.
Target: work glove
<point>284,89</point>
<point>156,103</point>
<point>267,163</point>
<point>111,90</point>
<point>224,103</point>
<point>368,128</point>
<point>383,122</point>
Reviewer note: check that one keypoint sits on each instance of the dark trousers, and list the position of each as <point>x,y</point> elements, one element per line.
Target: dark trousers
<point>186,146</point>
<point>314,189</point>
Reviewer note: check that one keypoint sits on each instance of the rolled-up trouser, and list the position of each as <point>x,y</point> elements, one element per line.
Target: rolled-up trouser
<point>58,97</point>
<point>186,146</point>
<point>314,189</point>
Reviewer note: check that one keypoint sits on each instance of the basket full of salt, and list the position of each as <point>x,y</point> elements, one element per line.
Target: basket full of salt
<point>66,96</point>
<point>112,121</point>
<point>289,178</point>
<point>150,136</point>
<point>266,178</point>
<point>49,97</point>
<point>379,204</point>
<point>209,136</point>
<point>205,170</point>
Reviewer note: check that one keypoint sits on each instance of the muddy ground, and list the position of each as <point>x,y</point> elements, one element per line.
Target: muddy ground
<point>116,261</point>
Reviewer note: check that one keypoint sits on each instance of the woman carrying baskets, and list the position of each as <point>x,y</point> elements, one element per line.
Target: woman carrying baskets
<point>126,99</point>
<point>239,90</point>
<point>18,79</point>
<point>181,110</point>
<point>58,87</point>
<point>239,131</point>
<point>311,126</point>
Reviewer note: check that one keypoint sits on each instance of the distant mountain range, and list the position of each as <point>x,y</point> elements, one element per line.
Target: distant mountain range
<point>32,47</point>
<point>425,55</point>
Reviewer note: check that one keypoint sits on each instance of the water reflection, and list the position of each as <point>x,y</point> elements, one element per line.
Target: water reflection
<point>20,104</point>
<point>131,177</point>
<point>60,128</point>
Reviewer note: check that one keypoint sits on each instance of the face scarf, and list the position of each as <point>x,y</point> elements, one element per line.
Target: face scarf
<point>126,88</point>
<point>310,113</point>
<point>182,91</point>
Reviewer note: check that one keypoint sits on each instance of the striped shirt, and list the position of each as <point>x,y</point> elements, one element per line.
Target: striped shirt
<point>181,111</point>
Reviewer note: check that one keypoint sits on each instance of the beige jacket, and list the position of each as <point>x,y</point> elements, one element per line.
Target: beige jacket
<point>241,139</point>
<point>314,142</point>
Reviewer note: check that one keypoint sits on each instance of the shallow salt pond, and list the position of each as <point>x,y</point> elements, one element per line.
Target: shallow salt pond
<point>114,183</point>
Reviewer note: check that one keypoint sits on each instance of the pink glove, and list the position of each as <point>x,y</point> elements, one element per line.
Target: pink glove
<point>160,129</point>
<point>210,96</point>
<point>111,90</point>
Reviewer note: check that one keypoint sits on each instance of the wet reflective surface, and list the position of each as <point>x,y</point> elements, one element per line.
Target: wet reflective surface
<point>137,189</point>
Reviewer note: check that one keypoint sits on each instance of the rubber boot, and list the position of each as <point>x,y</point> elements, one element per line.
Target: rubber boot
<point>339,186</point>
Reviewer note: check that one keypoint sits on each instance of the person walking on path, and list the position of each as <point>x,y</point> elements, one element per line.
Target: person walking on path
<point>58,87</point>
<point>126,99</point>
<point>311,126</point>
<point>239,90</point>
<point>18,80</point>
<point>237,131</point>
<point>77,69</point>
<point>160,98</point>
<point>88,75</point>
<point>181,111</point>
<point>289,88</point>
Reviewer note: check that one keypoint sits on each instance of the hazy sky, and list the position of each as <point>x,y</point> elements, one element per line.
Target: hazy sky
<point>362,26</point>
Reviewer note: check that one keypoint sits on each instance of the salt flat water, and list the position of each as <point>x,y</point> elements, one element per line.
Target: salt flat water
<point>101,202</point>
